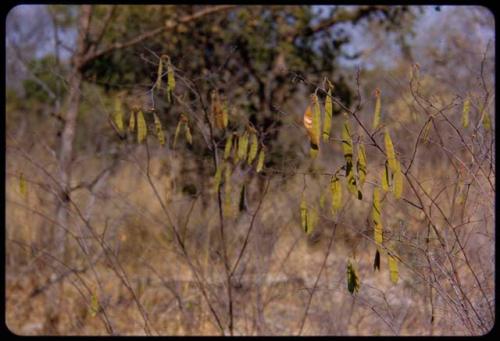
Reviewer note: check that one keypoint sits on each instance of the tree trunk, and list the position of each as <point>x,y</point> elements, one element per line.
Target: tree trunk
<point>68,133</point>
<point>59,236</point>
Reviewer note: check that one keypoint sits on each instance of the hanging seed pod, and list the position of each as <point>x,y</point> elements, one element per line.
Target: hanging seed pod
<point>303,213</point>
<point>243,146</point>
<point>131,122</point>
<point>227,191</point>
<point>312,124</point>
<point>224,117</point>
<point>398,181</point>
<point>351,180</point>
<point>336,190</point>
<point>376,217</point>
<point>159,74</point>
<point>187,133</point>
<point>311,221</point>
<point>254,145</point>
<point>94,305</point>
<point>426,131</point>
<point>218,176</point>
<point>376,113</point>
<point>352,279</point>
<point>346,141</point>
<point>177,131</point>
<point>327,124</point>
<point>361,164</point>
<point>385,177</point>
<point>142,129</point>
<point>322,199</point>
<point>316,119</point>
<point>486,121</point>
<point>23,189</point>
<point>389,150</point>
<point>228,146</point>
<point>465,113</point>
<point>170,80</point>
<point>118,115</point>
<point>159,130</point>
<point>393,269</point>
<point>260,160</point>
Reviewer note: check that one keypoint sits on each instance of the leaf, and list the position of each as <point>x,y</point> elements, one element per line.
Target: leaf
<point>385,177</point>
<point>159,75</point>
<point>312,220</point>
<point>361,164</point>
<point>23,189</point>
<point>260,160</point>
<point>243,146</point>
<point>393,269</point>
<point>465,113</point>
<point>94,305</point>
<point>327,123</point>
<point>118,115</point>
<point>398,181</point>
<point>336,190</point>
<point>389,150</point>
<point>228,146</point>
<point>376,217</point>
<point>376,261</point>
<point>352,279</point>
<point>254,145</point>
<point>142,129</point>
<point>376,112</point>
<point>131,122</point>
<point>159,130</point>
<point>303,213</point>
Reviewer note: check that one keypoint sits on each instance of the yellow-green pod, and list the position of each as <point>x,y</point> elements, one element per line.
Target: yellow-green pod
<point>336,191</point>
<point>159,129</point>
<point>465,113</point>
<point>254,145</point>
<point>393,269</point>
<point>389,150</point>
<point>228,146</point>
<point>327,124</point>
<point>243,146</point>
<point>361,164</point>
<point>142,129</point>
<point>260,160</point>
<point>131,122</point>
<point>118,115</point>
